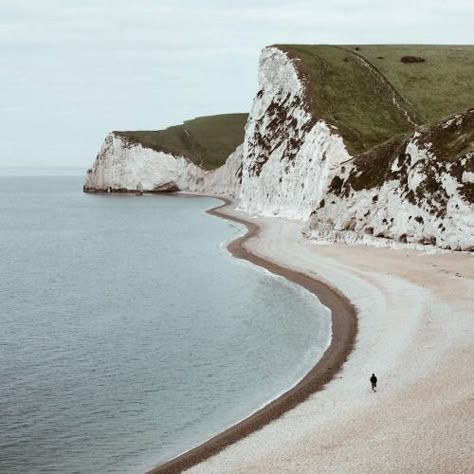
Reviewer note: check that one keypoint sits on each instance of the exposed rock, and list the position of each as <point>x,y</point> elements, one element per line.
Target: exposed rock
<point>169,187</point>
<point>287,154</point>
<point>415,186</point>
<point>122,166</point>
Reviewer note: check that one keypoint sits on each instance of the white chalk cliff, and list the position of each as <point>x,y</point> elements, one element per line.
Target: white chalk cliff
<point>294,165</point>
<point>422,201</point>
<point>124,166</point>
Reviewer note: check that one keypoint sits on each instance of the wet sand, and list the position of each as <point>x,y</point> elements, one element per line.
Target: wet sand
<point>344,330</point>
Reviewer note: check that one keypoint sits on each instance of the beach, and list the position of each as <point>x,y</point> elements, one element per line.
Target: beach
<point>414,330</point>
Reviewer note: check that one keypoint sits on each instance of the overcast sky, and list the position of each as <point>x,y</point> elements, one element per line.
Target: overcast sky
<point>73,70</point>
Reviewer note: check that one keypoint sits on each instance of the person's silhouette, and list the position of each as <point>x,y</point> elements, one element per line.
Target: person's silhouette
<point>373,381</point>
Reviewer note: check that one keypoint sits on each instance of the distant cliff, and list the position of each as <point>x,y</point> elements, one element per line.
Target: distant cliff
<point>348,139</point>
<point>178,158</point>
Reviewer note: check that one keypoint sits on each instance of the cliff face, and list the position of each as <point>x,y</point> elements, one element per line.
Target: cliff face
<point>416,188</point>
<point>123,166</point>
<point>287,155</point>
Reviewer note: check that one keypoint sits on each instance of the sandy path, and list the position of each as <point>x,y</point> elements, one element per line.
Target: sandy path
<point>416,333</point>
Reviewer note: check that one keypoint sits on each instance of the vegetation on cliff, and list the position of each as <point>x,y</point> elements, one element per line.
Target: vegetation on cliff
<point>206,141</point>
<point>373,93</point>
<point>370,93</point>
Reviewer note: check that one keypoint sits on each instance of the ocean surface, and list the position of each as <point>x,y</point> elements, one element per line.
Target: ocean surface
<point>128,333</point>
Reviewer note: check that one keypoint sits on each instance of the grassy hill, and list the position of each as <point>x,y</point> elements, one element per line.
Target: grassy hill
<point>371,95</point>
<point>206,141</point>
<point>436,88</point>
<point>368,92</point>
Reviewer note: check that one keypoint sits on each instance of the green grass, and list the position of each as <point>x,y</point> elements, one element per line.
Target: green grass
<point>350,87</point>
<point>206,141</point>
<point>436,88</point>
<point>357,100</point>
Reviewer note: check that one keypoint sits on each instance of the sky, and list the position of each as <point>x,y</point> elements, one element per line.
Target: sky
<point>73,70</point>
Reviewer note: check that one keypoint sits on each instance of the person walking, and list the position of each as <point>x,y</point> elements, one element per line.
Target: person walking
<point>373,381</point>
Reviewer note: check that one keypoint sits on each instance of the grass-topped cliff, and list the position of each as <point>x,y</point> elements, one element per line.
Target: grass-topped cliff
<point>370,93</point>
<point>206,141</point>
<point>373,93</point>
<point>406,116</point>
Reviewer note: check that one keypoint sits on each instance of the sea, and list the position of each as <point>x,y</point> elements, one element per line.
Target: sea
<point>128,333</point>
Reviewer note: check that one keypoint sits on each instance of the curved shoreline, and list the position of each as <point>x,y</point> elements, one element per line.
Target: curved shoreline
<point>344,330</point>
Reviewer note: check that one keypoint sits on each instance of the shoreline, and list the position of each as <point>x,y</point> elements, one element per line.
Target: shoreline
<point>344,331</point>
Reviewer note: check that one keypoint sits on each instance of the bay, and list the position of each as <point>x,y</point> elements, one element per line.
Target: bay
<point>128,332</point>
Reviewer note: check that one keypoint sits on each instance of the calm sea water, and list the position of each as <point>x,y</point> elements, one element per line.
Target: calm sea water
<point>128,333</point>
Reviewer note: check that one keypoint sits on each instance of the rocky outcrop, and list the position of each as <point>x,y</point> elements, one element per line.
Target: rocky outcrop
<point>123,166</point>
<point>414,190</point>
<point>169,187</point>
<point>287,155</point>
<point>226,180</point>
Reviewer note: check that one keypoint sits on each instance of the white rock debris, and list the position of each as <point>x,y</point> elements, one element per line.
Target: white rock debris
<point>468,177</point>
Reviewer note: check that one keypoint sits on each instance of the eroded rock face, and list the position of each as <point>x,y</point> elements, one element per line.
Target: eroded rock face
<point>121,166</point>
<point>415,190</point>
<point>125,166</point>
<point>226,180</point>
<point>169,187</point>
<point>287,154</point>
